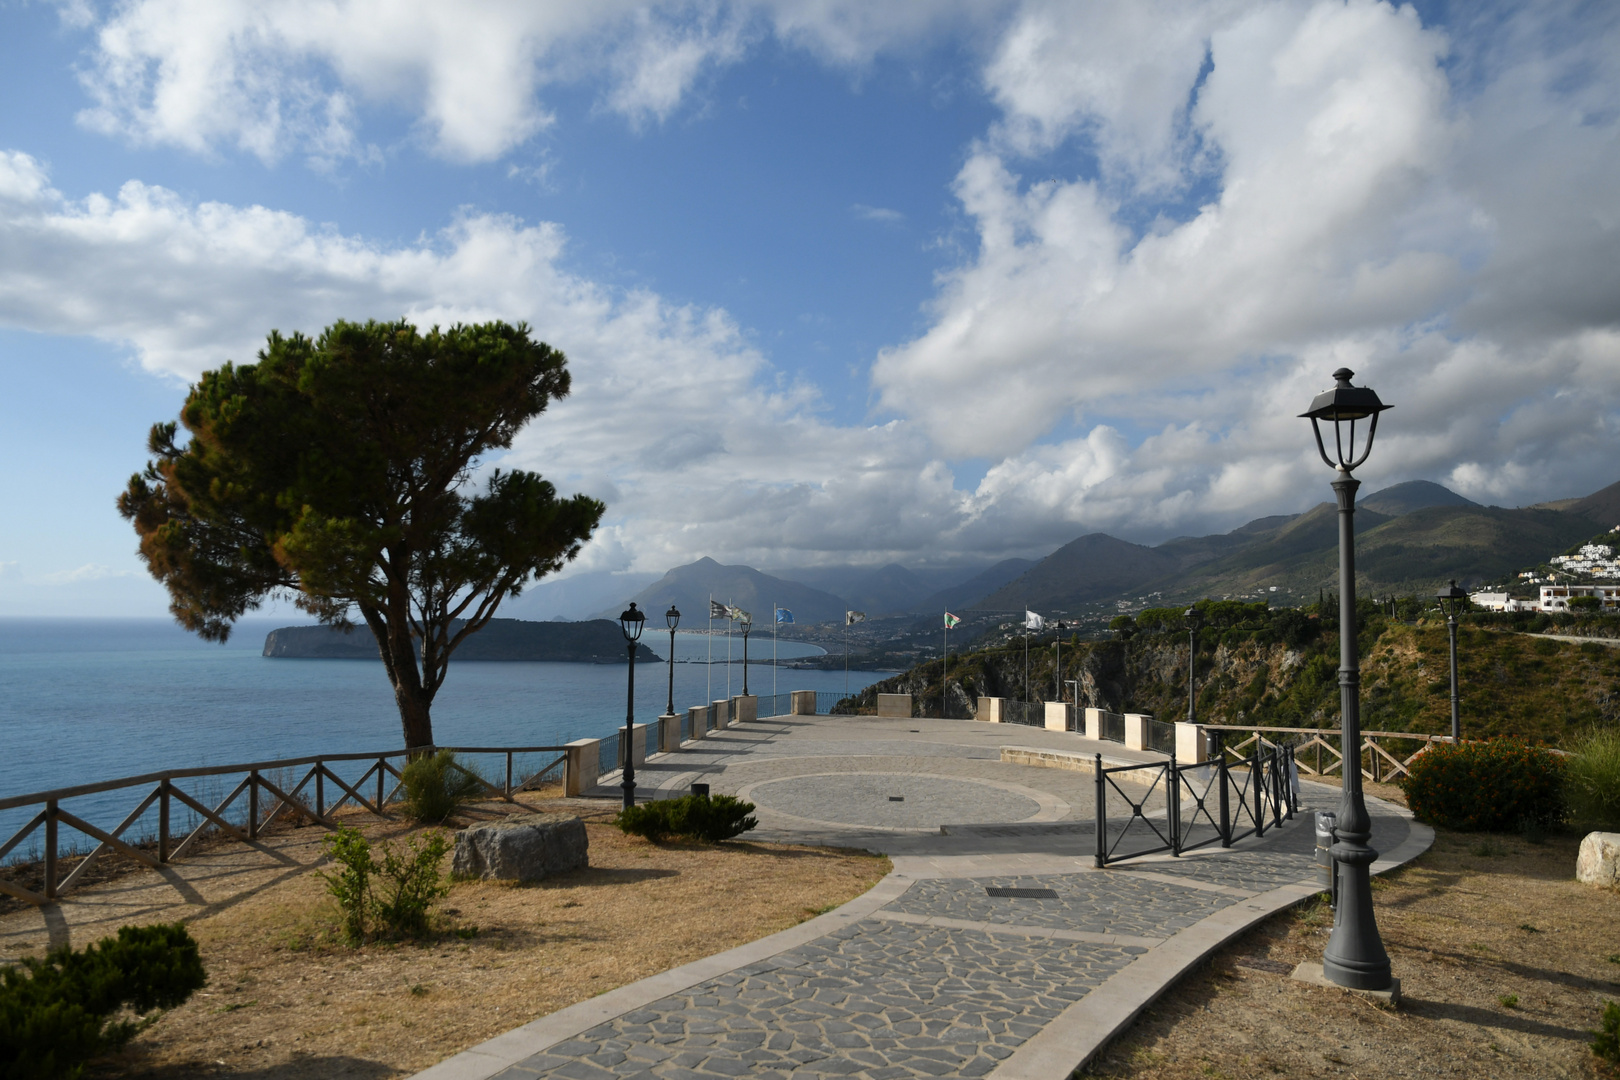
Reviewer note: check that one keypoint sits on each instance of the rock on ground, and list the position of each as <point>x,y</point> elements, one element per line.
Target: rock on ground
<point>526,847</point>
<point>1599,860</point>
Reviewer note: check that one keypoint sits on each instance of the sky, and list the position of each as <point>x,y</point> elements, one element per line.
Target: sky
<point>939,283</point>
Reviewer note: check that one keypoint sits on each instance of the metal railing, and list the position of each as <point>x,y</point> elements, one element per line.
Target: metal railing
<point>833,703</point>
<point>1161,736</point>
<point>239,814</point>
<point>609,757</point>
<point>1204,803</point>
<point>1112,727</point>
<point>1027,713</point>
<point>775,704</point>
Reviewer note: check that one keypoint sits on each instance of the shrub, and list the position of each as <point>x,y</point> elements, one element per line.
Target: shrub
<point>700,817</point>
<point>351,885</point>
<point>1592,781</point>
<point>435,785</point>
<point>1494,786</point>
<point>1606,1041</point>
<point>410,882</point>
<point>54,1012</point>
<point>394,894</point>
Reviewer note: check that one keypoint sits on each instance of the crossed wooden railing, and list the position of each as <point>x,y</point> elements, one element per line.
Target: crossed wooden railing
<point>1382,765</point>
<point>165,792</point>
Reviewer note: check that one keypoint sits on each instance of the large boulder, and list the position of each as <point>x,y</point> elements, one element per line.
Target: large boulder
<point>1599,860</point>
<point>525,847</point>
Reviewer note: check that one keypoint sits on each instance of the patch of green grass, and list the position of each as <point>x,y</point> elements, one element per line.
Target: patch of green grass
<point>1508,1001</point>
<point>1527,928</point>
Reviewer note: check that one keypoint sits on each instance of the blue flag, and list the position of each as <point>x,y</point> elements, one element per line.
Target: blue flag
<point>783,615</point>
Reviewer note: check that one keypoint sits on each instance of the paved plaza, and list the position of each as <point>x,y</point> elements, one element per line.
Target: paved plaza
<point>994,948</point>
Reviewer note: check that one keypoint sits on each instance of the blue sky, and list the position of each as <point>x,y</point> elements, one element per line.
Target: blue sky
<point>841,283</point>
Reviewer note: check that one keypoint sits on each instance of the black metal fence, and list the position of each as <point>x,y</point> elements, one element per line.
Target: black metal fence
<point>832,703</point>
<point>1027,713</point>
<point>1177,808</point>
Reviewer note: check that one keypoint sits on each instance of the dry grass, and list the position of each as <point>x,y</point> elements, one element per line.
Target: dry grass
<point>1505,962</point>
<point>287,1000</point>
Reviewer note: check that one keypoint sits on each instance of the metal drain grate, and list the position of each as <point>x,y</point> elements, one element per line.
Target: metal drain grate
<point>897,798</point>
<point>1022,894</point>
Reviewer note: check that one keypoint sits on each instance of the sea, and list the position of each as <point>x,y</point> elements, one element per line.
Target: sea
<point>87,700</point>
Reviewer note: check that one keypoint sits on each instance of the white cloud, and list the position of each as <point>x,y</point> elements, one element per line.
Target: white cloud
<point>877,213</point>
<point>1460,251</point>
<point>295,76</point>
<point>87,572</point>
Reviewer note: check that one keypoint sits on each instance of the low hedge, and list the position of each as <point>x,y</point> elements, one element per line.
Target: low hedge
<point>710,818</point>
<point>55,1013</point>
<point>1494,786</point>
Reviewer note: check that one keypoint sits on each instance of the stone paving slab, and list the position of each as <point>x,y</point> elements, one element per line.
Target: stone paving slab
<point>928,974</point>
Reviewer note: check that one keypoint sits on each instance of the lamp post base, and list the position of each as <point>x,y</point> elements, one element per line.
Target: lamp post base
<point>1308,972</point>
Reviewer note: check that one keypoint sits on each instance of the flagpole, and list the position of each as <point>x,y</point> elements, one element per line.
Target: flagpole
<point>730,607</point>
<point>846,654</point>
<point>1026,650</point>
<point>710,636</point>
<point>945,671</point>
<point>776,625</point>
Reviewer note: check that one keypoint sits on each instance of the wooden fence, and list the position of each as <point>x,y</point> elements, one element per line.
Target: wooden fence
<point>1381,763</point>
<point>306,798</point>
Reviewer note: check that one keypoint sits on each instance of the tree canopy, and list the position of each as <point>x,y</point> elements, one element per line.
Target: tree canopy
<point>339,470</point>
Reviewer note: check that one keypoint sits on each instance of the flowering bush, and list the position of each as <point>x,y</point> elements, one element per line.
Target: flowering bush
<point>1493,786</point>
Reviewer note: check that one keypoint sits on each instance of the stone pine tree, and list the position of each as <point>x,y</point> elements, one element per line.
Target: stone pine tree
<point>340,471</point>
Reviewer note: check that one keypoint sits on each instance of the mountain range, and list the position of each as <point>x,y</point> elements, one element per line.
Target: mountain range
<point>1410,538</point>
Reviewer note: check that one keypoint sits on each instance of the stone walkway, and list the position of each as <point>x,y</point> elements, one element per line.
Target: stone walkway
<point>993,949</point>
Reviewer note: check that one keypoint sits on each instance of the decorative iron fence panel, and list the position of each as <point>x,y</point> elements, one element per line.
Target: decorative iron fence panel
<point>775,705</point>
<point>833,703</point>
<point>1143,809</point>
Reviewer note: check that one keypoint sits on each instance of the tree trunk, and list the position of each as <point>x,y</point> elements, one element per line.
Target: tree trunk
<point>414,715</point>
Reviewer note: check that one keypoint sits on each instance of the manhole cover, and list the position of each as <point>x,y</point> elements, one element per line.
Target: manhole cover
<point>1022,894</point>
<point>897,798</point>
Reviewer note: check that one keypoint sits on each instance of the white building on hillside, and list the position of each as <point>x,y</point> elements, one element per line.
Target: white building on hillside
<point>1593,560</point>
<point>1557,597</point>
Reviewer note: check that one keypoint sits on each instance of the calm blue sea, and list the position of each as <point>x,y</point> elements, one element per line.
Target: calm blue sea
<point>83,700</point>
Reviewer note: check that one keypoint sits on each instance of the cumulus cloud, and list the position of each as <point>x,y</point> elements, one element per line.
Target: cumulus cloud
<point>294,76</point>
<point>1457,246</point>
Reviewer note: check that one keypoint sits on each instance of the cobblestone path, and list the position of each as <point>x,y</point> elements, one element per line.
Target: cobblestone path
<point>995,921</point>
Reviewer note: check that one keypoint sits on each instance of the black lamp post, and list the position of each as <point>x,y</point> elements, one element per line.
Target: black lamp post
<point>631,623</point>
<point>1195,619</point>
<point>1355,955</point>
<point>747,625</point>
<point>672,617</point>
<point>1452,601</point>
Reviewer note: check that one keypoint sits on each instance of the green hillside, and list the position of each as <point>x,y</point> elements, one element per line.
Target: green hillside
<point>1280,669</point>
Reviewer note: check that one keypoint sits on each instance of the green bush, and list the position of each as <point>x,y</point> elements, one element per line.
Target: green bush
<point>54,1012</point>
<point>710,818</point>
<point>392,895</point>
<point>1606,1039</point>
<point>1592,781</point>
<point>1494,786</point>
<point>435,785</point>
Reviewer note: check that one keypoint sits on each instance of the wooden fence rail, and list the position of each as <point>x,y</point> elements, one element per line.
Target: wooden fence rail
<point>306,798</point>
<point>1382,765</point>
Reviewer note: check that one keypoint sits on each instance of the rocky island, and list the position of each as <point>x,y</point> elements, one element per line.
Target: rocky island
<point>598,641</point>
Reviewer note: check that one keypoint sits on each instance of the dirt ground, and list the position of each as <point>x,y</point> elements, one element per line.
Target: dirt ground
<point>286,999</point>
<point>1505,963</point>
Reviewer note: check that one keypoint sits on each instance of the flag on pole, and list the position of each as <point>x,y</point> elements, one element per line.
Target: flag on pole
<point>742,616</point>
<point>1033,621</point>
<point>951,621</point>
<point>717,610</point>
<point>734,613</point>
<point>853,617</point>
<point>783,615</point>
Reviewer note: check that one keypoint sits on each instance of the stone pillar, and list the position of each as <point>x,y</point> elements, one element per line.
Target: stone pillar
<point>1136,730</point>
<point>669,732</point>
<point>640,739</point>
<point>721,714</point>
<point>1094,723</point>
<point>698,718</point>
<point>581,765</point>
<point>745,708</point>
<point>802,703</point>
<point>1190,743</point>
<point>1057,716</point>
<point>894,705</point>
<point>990,709</point>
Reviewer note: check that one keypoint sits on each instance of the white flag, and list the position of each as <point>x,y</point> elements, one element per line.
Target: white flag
<point>852,617</point>
<point>1033,621</point>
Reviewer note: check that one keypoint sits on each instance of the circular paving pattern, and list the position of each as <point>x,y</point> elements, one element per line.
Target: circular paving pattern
<point>894,800</point>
